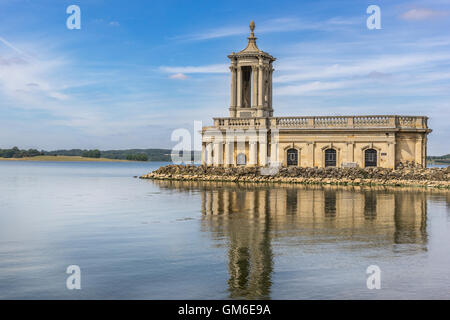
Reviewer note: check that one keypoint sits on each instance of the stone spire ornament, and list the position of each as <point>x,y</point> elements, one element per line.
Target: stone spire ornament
<point>251,47</point>
<point>252,27</point>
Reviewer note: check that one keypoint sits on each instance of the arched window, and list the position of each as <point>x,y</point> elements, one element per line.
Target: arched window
<point>330,158</point>
<point>292,157</point>
<point>370,158</point>
<point>241,159</point>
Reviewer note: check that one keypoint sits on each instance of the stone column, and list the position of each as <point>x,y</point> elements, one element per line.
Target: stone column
<point>391,155</point>
<point>260,85</point>
<point>263,154</point>
<point>265,86</point>
<point>253,155</point>
<point>418,157</point>
<point>239,87</point>
<point>229,151</point>
<point>233,87</point>
<point>203,153</point>
<point>262,148</point>
<point>218,153</point>
<point>270,87</point>
<point>255,86</point>
<point>274,154</point>
<point>350,152</point>
<point>209,153</point>
<point>424,150</point>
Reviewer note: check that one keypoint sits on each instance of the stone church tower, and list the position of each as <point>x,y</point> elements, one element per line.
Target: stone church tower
<point>252,136</point>
<point>251,81</point>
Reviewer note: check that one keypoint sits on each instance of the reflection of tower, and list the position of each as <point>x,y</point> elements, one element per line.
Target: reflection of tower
<point>248,217</point>
<point>245,220</point>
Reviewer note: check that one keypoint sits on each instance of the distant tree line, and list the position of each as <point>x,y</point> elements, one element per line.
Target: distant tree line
<point>137,157</point>
<point>91,153</point>
<point>17,153</point>
<point>128,154</point>
<point>445,159</point>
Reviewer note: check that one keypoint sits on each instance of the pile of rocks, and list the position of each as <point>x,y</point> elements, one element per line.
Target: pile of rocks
<point>408,176</point>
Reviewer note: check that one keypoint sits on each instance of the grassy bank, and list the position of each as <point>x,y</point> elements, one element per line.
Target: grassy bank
<point>63,158</point>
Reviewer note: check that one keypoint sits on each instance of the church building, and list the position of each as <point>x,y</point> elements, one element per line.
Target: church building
<point>252,136</point>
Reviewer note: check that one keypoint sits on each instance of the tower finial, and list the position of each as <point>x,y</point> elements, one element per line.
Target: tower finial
<point>252,27</point>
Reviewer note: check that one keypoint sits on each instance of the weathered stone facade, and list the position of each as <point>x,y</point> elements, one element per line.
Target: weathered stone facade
<point>251,136</point>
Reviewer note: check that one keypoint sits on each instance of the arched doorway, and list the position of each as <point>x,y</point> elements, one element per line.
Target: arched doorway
<point>330,158</point>
<point>241,159</point>
<point>292,157</point>
<point>370,158</point>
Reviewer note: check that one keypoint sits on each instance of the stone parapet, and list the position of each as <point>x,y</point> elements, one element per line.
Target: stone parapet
<point>326,122</point>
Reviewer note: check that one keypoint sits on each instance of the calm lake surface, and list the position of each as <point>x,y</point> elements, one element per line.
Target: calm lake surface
<point>141,239</point>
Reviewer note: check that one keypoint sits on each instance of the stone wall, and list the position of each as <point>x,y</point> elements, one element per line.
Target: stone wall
<point>430,177</point>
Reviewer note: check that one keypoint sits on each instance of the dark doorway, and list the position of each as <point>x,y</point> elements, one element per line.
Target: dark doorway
<point>292,157</point>
<point>330,158</point>
<point>370,158</point>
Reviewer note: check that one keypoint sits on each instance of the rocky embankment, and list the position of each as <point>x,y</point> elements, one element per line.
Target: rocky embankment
<point>430,177</point>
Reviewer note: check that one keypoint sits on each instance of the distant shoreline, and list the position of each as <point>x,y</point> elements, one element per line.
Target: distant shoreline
<point>65,159</point>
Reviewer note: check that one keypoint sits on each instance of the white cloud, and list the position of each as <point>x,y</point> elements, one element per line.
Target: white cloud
<point>309,87</point>
<point>213,68</point>
<point>283,24</point>
<point>423,14</point>
<point>295,69</point>
<point>19,70</point>
<point>178,76</point>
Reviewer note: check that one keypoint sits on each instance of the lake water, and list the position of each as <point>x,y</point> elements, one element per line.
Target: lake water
<point>142,239</point>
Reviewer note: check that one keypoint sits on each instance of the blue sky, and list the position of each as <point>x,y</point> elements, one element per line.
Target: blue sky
<point>137,70</point>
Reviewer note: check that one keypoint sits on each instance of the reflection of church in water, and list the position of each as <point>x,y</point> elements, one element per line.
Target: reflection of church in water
<point>251,217</point>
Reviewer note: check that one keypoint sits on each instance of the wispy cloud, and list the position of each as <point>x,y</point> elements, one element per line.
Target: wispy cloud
<point>283,24</point>
<point>423,14</point>
<point>294,69</point>
<point>213,68</point>
<point>310,87</point>
<point>178,76</point>
<point>24,77</point>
